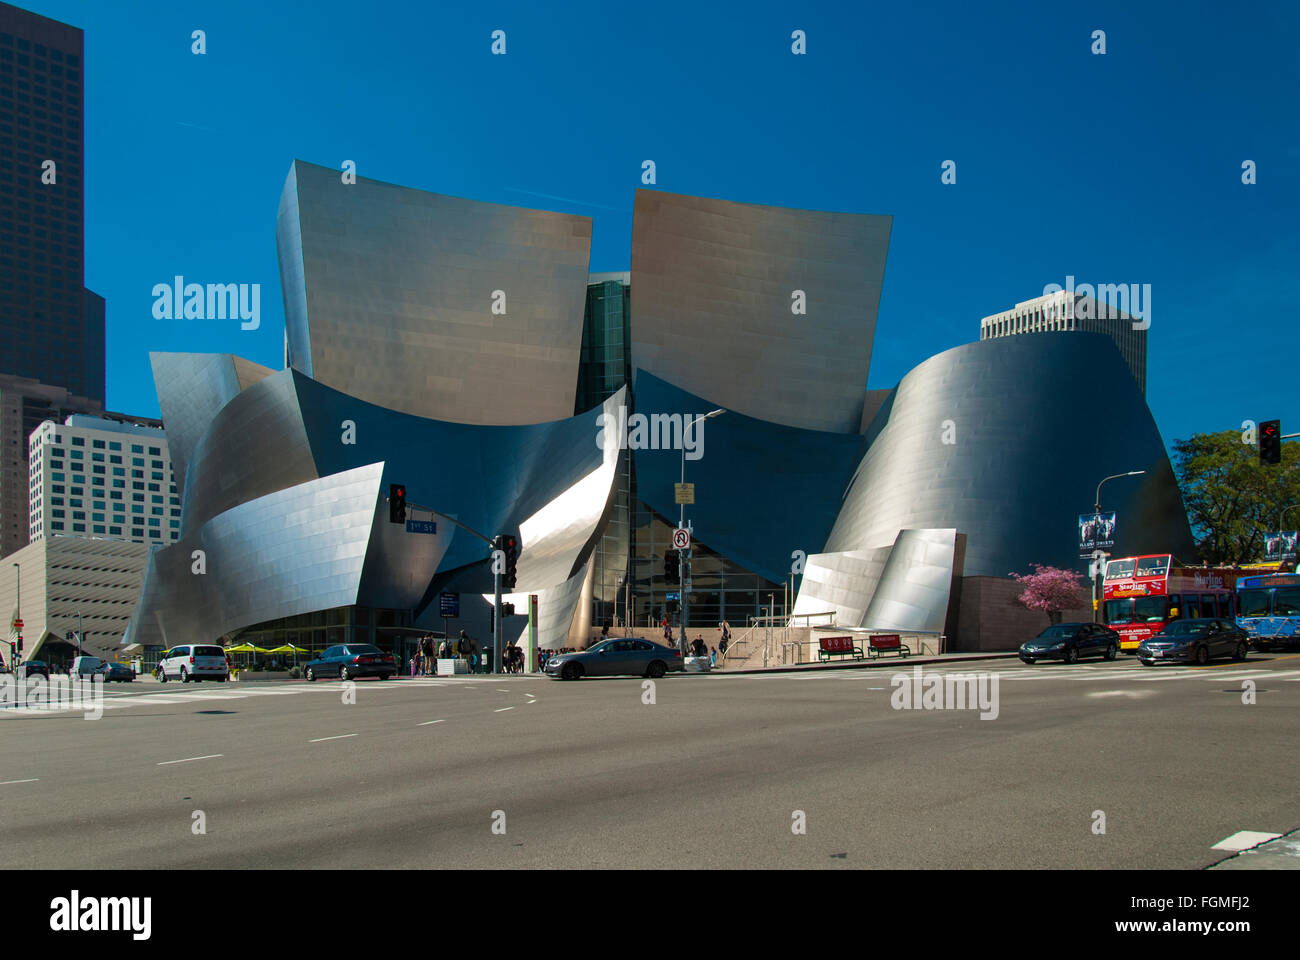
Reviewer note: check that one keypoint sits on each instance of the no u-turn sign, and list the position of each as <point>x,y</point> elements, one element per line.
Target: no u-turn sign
<point>681,538</point>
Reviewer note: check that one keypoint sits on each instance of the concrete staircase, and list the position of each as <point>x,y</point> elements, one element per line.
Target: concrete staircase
<point>749,644</point>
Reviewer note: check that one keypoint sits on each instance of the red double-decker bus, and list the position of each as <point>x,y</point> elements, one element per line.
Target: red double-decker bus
<point>1140,595</point>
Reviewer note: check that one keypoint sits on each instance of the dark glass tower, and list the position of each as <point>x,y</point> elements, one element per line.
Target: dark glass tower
<point>51,327</point>
<point>605,366</point>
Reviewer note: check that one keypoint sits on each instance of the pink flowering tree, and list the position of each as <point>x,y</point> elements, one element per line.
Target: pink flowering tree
<point>1051,590</point>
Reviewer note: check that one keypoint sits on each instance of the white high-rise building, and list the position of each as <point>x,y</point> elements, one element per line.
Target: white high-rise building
<point>1067,310</point>
<point>97,478</point>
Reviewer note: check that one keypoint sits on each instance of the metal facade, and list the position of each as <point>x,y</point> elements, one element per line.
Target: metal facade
<point>1036,421</point>
<point>192,389</point>
<point>287,501</point>
<point>389,297</point>
<point>712,295</point>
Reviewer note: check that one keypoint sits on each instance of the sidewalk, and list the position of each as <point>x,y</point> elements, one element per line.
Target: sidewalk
<point>884,662</point>
<point>1280,853</point>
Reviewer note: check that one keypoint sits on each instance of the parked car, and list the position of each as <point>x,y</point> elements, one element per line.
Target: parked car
<point>121,672</point>
<point>347,661</point>
<point>611,658</point>
<point>193,662</point>
<point>36,668</point>
<point>84,668</point>
<point>1070,641</point>
<point>1195,641</point>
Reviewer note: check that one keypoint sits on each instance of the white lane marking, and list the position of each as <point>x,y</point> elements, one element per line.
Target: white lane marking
<point>268,693</point>
<point>502,709</point>
<point>1160,673</point>
<point>32,780</point>
<point>427,722</point>
<point>1244,840</point>
<point>341,736</point>
<point>210,756</point>
<point>1131,694</point>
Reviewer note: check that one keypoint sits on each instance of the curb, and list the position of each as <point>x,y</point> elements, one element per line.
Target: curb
<point>877,664</point>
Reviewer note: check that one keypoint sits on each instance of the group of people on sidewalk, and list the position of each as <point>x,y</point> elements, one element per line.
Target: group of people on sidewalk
<point>424,663</point>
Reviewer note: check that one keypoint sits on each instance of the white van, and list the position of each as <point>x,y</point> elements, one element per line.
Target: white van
<point>193,662</point>
<point>85,667</point>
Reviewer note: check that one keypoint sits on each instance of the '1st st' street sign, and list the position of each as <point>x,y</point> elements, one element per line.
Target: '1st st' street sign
<point>421,526</point>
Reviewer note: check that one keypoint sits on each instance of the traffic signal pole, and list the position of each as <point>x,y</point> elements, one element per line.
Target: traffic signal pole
<point>496,603</point>
<point>495,543</point>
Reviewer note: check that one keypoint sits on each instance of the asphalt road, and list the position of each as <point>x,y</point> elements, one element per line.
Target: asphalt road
<point>586,774</point>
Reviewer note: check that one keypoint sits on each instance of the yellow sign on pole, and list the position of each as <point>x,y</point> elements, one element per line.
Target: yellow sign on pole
<point>685,493</point>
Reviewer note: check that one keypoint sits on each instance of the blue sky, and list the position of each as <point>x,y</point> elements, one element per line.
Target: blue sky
<point>1117,168</point>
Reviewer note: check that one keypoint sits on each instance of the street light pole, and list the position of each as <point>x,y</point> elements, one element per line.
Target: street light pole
<point>1096,512</point>
<point>1283,512</point>
<point>18,615</point>
<point>684,556</point>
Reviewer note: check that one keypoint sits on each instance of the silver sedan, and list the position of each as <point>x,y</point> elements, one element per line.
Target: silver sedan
<point>612,658</point>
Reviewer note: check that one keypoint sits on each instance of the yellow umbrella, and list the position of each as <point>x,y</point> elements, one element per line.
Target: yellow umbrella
<point>246,648</point>
<point>288,648</point>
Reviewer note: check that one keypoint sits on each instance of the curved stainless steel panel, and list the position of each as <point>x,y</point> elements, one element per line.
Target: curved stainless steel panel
<point>762,490</point>
<point>256,444</point>
<point>914,587</point>
<point>1037,421</point>
<point>293,278</point>
<point>192,388</point>
<point>293,551</point>
<point>394,301</point>
<point>712,284</point>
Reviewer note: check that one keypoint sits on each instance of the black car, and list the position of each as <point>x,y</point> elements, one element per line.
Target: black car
<point>36,668</point>
<point>1195,641</point>
<point>111,670</point>
<point>348,661</point>
<point>1070,641</point>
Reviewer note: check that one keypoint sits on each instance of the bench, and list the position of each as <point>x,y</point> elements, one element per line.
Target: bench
<point>838,647</point>
<point>887,643</point>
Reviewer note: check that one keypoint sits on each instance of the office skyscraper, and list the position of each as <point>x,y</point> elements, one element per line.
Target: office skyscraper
<point>51,327</point>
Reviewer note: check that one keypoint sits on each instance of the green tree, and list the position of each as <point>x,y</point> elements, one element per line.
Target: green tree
<point>1232,499</point>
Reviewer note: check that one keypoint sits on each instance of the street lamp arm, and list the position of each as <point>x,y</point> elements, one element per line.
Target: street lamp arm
<point>1097,501</point>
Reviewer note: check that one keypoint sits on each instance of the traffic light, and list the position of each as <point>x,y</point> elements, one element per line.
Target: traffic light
<point>671,569</point>
<point>511,547</point>
<point>1270,441</point>
<point>507,609</point>
<point>397,503</point>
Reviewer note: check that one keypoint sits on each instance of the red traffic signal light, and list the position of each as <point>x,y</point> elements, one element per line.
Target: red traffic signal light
<point>397,503</point>
<point>510,545</point>
<point>1270,441</point>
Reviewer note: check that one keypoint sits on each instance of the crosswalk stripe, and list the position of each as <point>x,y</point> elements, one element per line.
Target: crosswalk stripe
<point>1275,674</point>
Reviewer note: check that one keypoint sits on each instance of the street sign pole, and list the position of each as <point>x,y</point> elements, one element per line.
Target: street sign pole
<point>1098,568</point>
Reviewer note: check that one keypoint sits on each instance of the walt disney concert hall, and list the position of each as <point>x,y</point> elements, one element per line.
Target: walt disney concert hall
<point>464,349</point>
